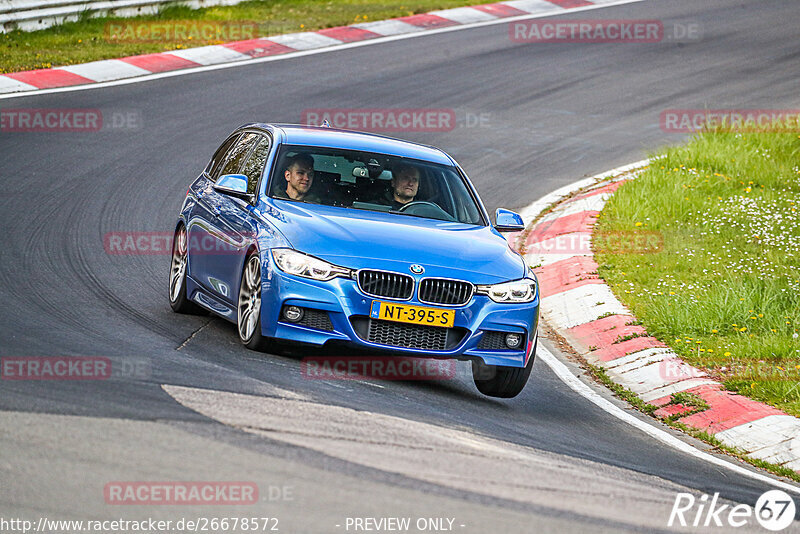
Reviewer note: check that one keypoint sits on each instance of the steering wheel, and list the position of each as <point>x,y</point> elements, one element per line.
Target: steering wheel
<point>436,213</point>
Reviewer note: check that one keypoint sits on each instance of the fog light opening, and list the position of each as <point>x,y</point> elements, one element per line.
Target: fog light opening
<point>513,341</point>
<point>293,314</point>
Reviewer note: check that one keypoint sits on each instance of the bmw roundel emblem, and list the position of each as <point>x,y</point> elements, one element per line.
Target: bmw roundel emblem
<point>417,269</point>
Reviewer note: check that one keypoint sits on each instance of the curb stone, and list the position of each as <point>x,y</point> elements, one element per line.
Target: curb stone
<point>582,309</point>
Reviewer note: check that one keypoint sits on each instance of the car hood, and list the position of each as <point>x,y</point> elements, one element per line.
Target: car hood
<point>365,239</point>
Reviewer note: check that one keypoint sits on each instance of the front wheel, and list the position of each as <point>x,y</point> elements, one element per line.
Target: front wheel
<point>249,309</point>
<point>499,380</point>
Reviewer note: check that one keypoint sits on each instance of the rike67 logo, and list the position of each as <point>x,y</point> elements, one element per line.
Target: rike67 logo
<point>774,510</point>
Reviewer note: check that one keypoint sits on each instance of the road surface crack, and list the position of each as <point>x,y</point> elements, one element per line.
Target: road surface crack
<point>191,336</point>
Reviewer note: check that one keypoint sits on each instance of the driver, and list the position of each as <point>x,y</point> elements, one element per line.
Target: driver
<point>405,185</point>
<point>299,175</point>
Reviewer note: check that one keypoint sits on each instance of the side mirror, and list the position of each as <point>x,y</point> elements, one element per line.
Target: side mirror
<point>508,221</point>
<point>234,185</point>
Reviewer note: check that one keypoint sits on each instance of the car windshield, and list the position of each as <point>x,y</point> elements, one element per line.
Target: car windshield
<point>375,182</point>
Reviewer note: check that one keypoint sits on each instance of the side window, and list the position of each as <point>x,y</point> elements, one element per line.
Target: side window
<point>215,165</point>
<point>254,166</point>
<point>237,154</point>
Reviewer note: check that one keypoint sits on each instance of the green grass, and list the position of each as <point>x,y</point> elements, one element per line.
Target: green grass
<point>724,291</point>
<point>88,39</point>
<point>624,393</point>
<point>685,398</point>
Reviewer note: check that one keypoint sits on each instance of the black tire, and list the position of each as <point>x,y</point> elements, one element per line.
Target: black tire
<point>177,276</point>
<point>248,309</point>
<point>501,381</point>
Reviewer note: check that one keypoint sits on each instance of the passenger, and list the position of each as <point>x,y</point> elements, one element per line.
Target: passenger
<point>405,186</point>
<point>299,175</point>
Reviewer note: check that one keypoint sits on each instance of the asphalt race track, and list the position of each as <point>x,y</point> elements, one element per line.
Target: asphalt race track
<point>203,408</point>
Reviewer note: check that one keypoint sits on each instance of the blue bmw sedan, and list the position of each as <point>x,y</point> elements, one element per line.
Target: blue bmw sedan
<point>320,236</point>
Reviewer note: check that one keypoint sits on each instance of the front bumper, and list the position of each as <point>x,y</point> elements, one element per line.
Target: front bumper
<point>348,308</point>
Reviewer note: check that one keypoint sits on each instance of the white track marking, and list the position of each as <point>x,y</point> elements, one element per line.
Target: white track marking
<point>389,27</point>
<point>581,305</point>
<point>208,55</point>
<point>638,359</point>
<point>10,84</point>
<point>530,6</point>
<point>305,40</point>
<point>594,202</point>
<point>105,70</point>
<point>652,392</point>
<point>291,55</point>
<point>463,15</point>
<point>774,438</point>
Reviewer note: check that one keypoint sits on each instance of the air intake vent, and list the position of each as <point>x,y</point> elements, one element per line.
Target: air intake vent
<point>385,284</point>
<point>316,319</point>
<point>443,291</point>
<point>493,340</point>
<point>411,336</point>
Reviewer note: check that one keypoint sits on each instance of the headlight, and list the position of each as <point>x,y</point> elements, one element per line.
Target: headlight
<point>517,291</point>
<point>292,262</point>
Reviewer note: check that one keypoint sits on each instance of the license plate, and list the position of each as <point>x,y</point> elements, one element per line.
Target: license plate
<point>403,313</point>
